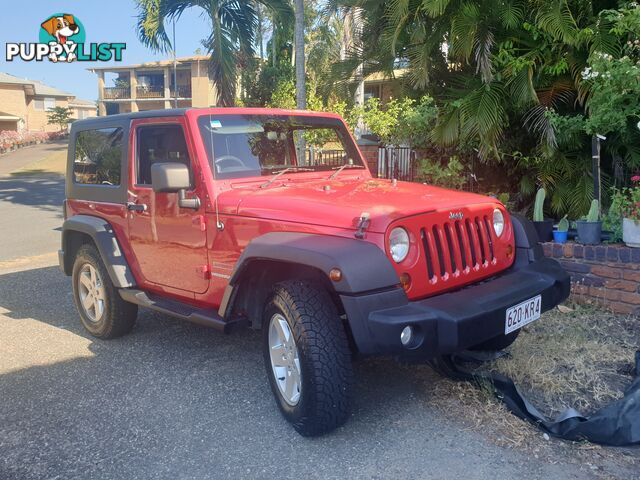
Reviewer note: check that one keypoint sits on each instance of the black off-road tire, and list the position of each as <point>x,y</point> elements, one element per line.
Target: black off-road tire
<point>497,343</point>
<point>324,354</point>
<point>119,316</point>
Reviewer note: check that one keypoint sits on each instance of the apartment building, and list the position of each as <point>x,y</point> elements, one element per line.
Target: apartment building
<point>24,104</point>
<point>151,85</point>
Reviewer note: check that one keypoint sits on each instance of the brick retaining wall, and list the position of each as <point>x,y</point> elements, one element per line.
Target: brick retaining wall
<point>607,274</point>
<point>370,154</point>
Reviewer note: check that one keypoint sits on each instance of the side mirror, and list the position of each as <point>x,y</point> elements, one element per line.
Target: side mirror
<point>173,177</point>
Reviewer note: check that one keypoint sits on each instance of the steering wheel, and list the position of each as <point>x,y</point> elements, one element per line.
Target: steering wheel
<point>229,158</point>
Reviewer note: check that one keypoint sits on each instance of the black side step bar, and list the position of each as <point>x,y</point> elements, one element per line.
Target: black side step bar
<point>183,311</point>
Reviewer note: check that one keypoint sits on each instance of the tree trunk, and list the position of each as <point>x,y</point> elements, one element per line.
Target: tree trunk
<point>301,97</point>
<point>274,47</point>
<point>260,15</point>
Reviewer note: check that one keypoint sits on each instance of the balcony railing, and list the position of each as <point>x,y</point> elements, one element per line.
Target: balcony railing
<point>150,91</point>
<point>183,91</point>
<point>115,93</point>
<point>146,91</point>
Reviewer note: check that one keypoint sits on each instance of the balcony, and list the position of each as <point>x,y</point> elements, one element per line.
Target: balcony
<point>150,91</point>
<point>116,93</point>
<point>144,92</point>
<point>182,91</point>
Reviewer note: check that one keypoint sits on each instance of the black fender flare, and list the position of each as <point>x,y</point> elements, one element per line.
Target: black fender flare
<point>528,248</point>
<point>364,266</point>
<point>103,236</point>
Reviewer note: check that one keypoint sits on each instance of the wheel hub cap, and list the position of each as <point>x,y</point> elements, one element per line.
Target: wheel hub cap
<point>285,362</point>
<point>91,292</point>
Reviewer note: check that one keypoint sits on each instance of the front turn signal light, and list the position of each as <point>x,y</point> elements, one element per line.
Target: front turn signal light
<point>405,281</point>
<point>335,274</point>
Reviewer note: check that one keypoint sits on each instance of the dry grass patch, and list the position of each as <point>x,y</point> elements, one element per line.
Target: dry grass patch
<point>54,163</point>
<point>582,359</point>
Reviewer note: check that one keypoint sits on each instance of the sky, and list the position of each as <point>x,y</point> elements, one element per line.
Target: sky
<point>104,21</point>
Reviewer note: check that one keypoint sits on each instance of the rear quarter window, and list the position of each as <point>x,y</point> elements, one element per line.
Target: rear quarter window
<point>98,154</point>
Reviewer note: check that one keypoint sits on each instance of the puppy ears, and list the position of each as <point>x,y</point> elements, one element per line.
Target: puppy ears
<point>69,18</point>
<point>50,25</point>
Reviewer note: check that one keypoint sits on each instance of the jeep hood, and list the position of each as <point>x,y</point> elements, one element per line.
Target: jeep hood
<point>340,203</point>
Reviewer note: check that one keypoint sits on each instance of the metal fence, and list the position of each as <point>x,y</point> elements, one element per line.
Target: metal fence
<point>397,162</point>
<point>324,157</point>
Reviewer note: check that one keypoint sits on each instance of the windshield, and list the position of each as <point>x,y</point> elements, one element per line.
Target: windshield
<point>254,145</point>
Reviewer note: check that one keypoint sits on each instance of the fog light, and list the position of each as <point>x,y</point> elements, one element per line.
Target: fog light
<point>406,336</point>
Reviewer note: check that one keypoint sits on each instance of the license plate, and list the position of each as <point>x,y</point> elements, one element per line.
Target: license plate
<point>522,314</point>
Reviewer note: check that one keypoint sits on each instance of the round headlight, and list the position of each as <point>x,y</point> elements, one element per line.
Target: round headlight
<point>399,244</point>
<point>498,222</point>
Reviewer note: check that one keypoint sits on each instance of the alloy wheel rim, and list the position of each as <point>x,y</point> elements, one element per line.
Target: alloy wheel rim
<point>285,361</point>
<point>92,293</point>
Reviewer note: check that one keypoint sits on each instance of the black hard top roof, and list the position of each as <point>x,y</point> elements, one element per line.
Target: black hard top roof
<point>170,112</point>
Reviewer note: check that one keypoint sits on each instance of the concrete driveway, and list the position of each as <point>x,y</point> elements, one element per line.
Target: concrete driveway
<point>177,401</point>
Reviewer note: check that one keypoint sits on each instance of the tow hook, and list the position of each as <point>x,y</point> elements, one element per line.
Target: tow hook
<point>362,226</point>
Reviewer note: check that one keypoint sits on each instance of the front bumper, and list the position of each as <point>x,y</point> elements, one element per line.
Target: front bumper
<point>454,321</point>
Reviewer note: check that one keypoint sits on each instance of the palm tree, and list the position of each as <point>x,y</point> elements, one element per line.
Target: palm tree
<point>233,31</point>
<point>301,91</point>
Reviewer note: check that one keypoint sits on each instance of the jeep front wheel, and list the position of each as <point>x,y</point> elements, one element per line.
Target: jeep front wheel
<point>307,357</point>
<point>102,311</point>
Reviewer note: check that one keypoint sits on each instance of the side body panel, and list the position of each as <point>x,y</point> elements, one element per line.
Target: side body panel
<point>167,242</point>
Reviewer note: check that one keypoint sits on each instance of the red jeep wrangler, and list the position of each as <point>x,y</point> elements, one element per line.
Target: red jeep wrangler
<point>271,219</point>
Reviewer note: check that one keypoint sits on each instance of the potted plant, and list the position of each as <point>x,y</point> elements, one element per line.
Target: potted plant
<point>590,230</point>
<point>627,202</point>
<point>560,234</point>
<point>542,226</point>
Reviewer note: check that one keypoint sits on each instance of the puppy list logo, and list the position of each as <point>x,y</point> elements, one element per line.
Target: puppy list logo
<point>62,39</point>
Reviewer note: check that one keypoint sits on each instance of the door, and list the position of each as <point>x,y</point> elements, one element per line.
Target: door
<point>168,242</point>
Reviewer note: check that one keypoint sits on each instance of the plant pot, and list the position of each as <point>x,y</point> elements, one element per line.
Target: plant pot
<point>589,233</point>
<point>560,237</point>
<point>631,232</point>
<point>544,229</point>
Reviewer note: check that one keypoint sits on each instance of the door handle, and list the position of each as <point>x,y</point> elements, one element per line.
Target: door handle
<point>136,207</point>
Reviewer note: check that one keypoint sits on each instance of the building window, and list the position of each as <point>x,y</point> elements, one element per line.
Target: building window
<point>372,91</point>
<point>98,155</point>
<point>49,103</point>
<point>38,104</point>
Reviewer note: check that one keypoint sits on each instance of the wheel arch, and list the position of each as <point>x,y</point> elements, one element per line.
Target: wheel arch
<point>81,229</point>
<point>279,256</point>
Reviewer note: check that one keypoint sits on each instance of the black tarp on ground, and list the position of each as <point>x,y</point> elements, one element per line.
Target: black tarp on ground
<point>617,424</point>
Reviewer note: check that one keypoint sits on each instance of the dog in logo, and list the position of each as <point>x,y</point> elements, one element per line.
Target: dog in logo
<point>61,28</point>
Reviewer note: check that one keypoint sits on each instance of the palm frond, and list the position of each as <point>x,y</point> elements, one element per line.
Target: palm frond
<point>511,14</point>
<point>555,18</point>
<point>435,8</point>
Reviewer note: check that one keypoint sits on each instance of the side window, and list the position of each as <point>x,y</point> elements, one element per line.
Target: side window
<point>160,143</point>
<point>98,155</point>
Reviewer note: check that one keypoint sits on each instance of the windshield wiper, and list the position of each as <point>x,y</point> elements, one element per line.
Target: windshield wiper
<point>339,169</point>
<point>278,174</point>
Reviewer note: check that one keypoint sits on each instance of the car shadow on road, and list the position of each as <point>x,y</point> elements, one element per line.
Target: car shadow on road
<point>42,191</point>
<point>164,350</point>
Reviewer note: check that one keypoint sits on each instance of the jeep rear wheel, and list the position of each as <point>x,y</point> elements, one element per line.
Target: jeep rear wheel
<point>102,311</point>
<point>307,357</point>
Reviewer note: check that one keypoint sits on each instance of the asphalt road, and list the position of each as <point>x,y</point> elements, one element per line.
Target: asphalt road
<point>30,205</point>
<point>177,401</point>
